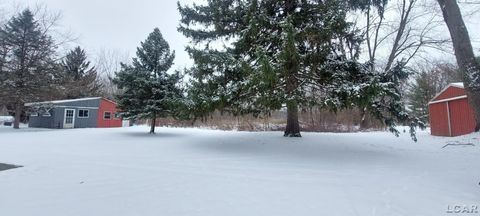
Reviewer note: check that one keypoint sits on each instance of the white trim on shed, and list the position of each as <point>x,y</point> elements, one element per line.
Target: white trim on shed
<point>448,99</point>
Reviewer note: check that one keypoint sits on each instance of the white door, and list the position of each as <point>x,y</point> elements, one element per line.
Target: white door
<point>69,120</point>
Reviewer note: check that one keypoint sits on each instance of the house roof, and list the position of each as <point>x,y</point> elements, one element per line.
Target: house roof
<point>456,85</point>
<point>63,101</point>
<point>6,118</point>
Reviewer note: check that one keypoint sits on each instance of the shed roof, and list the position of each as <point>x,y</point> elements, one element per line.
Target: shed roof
<point>438,98</point>
<point>63,101</point>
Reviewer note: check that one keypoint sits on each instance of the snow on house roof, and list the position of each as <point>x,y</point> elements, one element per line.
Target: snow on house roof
<point>6,118</point>
<point>63,101</point>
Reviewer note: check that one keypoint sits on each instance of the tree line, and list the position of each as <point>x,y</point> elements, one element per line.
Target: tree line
<point>255,57</point>
<point>32,70</point>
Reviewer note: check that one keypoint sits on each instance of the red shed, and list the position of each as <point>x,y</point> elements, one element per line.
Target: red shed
<point>450,112</point>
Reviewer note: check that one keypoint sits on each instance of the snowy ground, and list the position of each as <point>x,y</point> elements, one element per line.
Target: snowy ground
<point>213,173</point>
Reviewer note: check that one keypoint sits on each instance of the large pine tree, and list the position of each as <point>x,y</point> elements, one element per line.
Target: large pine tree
<point>78,79</point>
<point>147,91</point>
<point>26,69</point>
<point>257,56</point>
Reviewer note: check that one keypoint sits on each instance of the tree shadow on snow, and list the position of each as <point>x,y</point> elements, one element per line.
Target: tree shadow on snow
<point>322,148</point>
<point>4,167</point>
<point>153,136</point>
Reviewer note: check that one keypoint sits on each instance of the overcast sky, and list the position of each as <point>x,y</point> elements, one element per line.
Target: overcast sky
<point>121,24</point>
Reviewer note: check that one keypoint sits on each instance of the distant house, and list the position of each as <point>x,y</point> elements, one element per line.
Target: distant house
<point>95,112</point>
<point>6,120</point>
<point>450,113</point>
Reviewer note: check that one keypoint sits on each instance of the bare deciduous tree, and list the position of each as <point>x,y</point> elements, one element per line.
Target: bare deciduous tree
<point>463,53</point>
<point>107,63</point>
<point>399,31</point>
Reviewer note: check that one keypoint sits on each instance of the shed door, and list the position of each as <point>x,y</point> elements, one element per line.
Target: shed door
<point>69,120</point>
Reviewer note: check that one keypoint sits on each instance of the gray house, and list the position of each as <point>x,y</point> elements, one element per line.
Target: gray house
<point>95,112</point>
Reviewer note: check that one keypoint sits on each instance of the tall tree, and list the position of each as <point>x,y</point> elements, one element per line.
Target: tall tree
<point>147,91</point>
<point>421,91</point>
<point>78,78</point>
<point>28,62</point>
<point>398,30</point>
<point>276,45</point>
<point>257,56</point>
<point>463,53</point>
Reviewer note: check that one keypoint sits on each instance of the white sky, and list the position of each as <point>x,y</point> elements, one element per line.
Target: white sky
<point>121,25</point>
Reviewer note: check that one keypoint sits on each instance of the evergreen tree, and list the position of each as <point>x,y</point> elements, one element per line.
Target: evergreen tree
<point>422,90</point>
<point>147,91</point>
<point>289,53</point>
<point>427,83</point>
<point>26,72</point>
<point>78,78</point>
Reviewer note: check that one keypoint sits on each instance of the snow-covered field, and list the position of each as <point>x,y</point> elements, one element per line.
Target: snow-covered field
<point>125,171</point>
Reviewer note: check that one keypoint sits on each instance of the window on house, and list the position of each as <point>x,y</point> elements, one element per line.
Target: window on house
<point>34,114</point>
<point>46,114</point>
<point>107,115</point>
<point>83,113</point>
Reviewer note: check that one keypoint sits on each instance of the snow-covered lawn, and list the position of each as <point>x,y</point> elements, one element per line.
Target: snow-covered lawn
<point>125,171</point>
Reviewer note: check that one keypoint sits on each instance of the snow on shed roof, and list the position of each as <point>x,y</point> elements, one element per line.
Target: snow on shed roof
<point>457,85</point>
<point>63,101</point>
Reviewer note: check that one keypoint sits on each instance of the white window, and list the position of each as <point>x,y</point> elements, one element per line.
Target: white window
<point>34,114</point>
<point>107,115</point>
<point>46,114</point>
<point>83,113</point>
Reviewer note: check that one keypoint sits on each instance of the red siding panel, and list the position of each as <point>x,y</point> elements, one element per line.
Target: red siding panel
<point>451,92</point>
<point>462,120</point>
<point>108,106</point>
<point>462,117</point>
<point>439,119</point>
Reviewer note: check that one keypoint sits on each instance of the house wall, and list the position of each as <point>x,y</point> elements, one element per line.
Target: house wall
<point>90,105</point>
<point>89,122</point>
<point>58,115</point>
<point>108,106</point>
<point>42,121</point>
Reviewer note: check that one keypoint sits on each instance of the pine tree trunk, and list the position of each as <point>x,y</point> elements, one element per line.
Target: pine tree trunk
<point>364,121</point>
<point>18,115</point>
<point>463,53</point>
<point>153,123</point>
<point>293,126</point>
